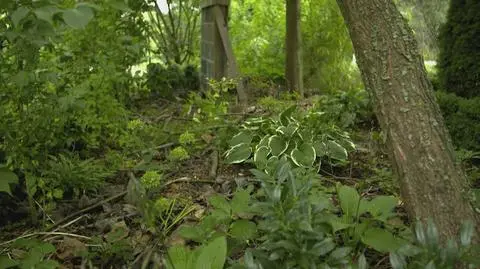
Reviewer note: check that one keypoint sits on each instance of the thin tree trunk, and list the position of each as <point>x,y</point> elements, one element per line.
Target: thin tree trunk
<point>431,183</point>
<point>293,65</point>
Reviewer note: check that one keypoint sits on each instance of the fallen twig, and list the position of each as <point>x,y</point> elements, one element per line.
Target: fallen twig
<point>44,233</point>
<point>85,210</point>
<point>188,180</point>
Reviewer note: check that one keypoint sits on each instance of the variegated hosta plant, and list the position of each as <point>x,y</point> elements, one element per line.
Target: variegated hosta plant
<point>265,140</point>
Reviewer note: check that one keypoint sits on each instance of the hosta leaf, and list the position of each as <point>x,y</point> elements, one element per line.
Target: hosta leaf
<point>336,151</point>
<point>241,138</point>
<point>291,129</point>
<point>179,257</point>
<point>19,14</point>
<point>349,200</point>
<point>243,229</point>
<point>321,149</point>
<point>212,255</point>
<point>7,177</point>
<point>286,114</point>
<point>263,142</point>
<point>238,153</point>
<point>381,240</point>
<point>304,155</point>
<point>78,17</point>
<point>397,261</point>
<point>277,145</point>
<point>260,157</point>
<point>381,207</point>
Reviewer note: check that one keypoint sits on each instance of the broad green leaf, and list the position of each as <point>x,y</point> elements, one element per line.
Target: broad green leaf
<point>78,17</point>
<point>179,257</point>
<point>397,261</point>
<point>466,233</point>
<point>19,14</point>
<point>336,151</point>
<point>263,142</point>
<point>47,264</point>
<point>191,232</point>
<point>338,224</point>
<point>7,177</point>
<point>382,207</point>
<point>6,262</point>
<point>340,253</point>
<point>304,155</point>
<point>212,255</point>
<point>381,240</point>
<point>240,202</point>
<point>238,153</point>
<point>321,149</point>
<point>277,145</point>
<point>219,202</point>
<point>323,248</point>
<point>120,5</point>
<point>243,229</point>
<point>291,129</point>
<point>286,114</point>
<point>349,200</point>
<point>46,13</point>
<point>241,138</point>
<point>306,135</point>
<point>260,157</point>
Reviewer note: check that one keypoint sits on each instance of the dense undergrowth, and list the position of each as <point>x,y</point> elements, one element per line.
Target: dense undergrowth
<point>101,167</point>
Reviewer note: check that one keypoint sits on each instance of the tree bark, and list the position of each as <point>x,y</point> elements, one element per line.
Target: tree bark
<point>431,183</point>
<point>293,65</point>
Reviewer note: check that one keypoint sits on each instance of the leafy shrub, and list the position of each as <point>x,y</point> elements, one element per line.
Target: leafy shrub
<point>270,139</point>
<point>462,117</point>
<point>171,80</point>
<point>31,253</point>
<point>151,179</point>
<point>178,154</point>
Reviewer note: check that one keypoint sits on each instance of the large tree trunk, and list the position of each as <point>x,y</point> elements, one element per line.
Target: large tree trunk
<point>293,66</point>
<point>431,183</point>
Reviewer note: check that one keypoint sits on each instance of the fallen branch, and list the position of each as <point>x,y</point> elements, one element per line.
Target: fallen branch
<point>188,180</point>
<point>44,233</point>
<point>85,210</point>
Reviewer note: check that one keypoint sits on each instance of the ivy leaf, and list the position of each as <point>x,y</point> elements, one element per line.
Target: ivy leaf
<point>78,17</point>
<point>381,240</point>
<point>304,155</point>
<point>277,145</point>
<point>19,14</point>
<point>7,177</point>
<point>238,153</point>
<point>336,151</point>
<point>212,255</point>
<point>241,138</point>
<point>243,230</point>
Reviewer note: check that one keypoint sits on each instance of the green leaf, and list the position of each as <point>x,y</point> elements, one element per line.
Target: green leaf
<point>191,232</point>
<point>46,13</point>
<point>362,262</point>
<point>7,177</point>
<point>291,129</point>
<point>219,202</point>
<point>397,261</point>
<point>321,149</point>
<point>323,248</point>
<point>243,230</point>
<point>286,114</point>
<point>381,240</point>
<point>120,5</point>
<point>260,157</point>
<point>212,255</point>
<point>240,202</point>
<point>340,253</point>
<point>381,207</point>
<point>263,142</point>
<point>241,138</point>
<point>179,257</point>
<point>349,200</point>
<point>277,145</point>
<point>238,153</point>
<point>466,233</point>
<point>304,155</point>
<point>336,151</point>
<point>6,262</point>
<point>19,14</point>
<point>338,224</point>
<point>78,17</point>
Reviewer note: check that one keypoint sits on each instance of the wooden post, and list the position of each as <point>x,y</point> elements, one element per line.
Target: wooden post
<point>217,58</point>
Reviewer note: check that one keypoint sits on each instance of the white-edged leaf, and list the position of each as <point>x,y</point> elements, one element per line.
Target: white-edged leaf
<point>277,145</point>
<point>243,137</point>
<point>286,114</point>
<point>336,151</point>
<point>304,155</point>
<point>238,153</point>
<point>260,157</point>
